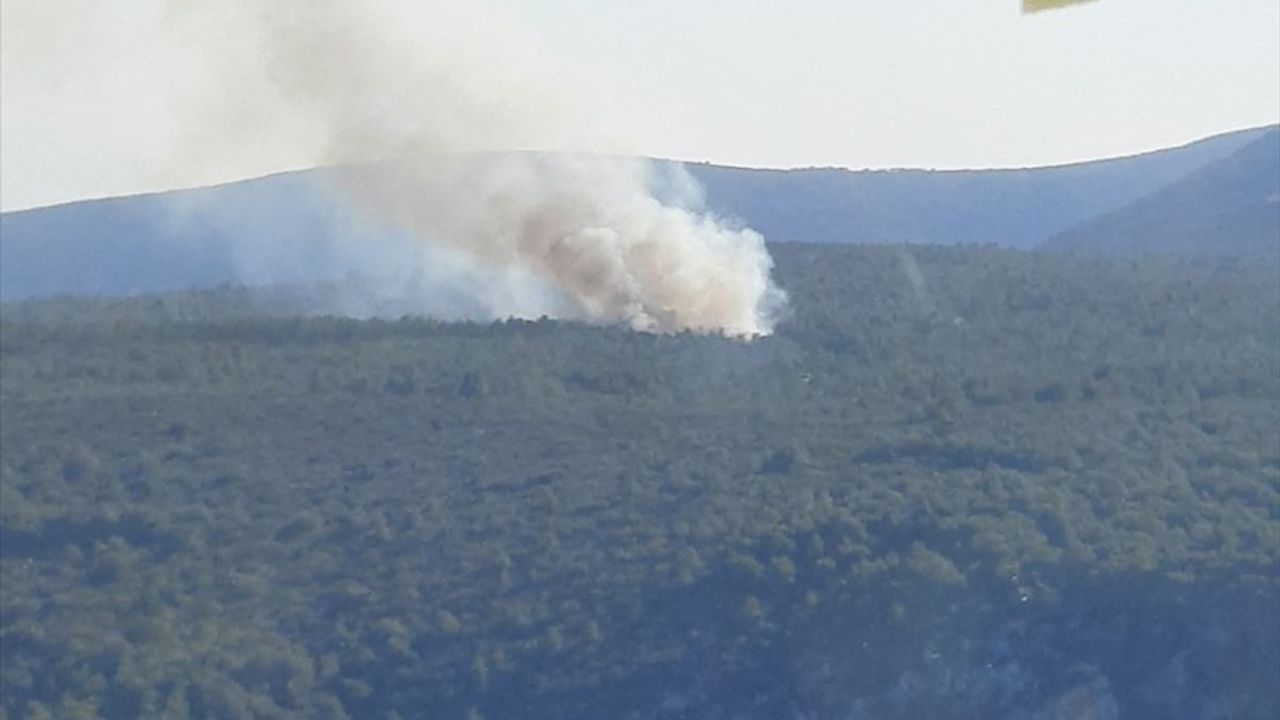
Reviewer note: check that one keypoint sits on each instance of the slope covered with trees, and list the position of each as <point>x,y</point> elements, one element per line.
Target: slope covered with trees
<point>1229,207</point>
<point>958,482</point>
<point>1017,208</point>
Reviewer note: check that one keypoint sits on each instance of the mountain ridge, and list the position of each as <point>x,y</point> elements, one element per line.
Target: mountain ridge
<point>1225,135</point>
<point>1230,206</point>
<point>293,227</point>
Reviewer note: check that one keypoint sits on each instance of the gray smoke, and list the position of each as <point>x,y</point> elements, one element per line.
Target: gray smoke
<point>405,98</point>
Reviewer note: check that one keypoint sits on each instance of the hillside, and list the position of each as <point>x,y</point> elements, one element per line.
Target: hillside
<point>1011,208</point>
<point>294,228</point>
<point>1229,207</point>
<point>279,226</point>
<point>958,482</point>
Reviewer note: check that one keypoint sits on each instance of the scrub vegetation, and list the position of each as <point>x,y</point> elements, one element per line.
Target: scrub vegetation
<point>1020,463</point>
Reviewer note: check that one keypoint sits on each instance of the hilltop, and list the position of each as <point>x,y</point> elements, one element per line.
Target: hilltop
<point>294,227</point>
<point>1228,207</point>
<point>1010,208</point>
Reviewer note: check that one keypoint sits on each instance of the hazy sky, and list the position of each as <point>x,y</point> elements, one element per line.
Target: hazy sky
<point>96,96</point>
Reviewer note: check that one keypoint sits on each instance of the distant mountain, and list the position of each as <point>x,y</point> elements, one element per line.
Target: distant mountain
<point>280,227</point>
<point>1012,208</point>
<point>293,227</point>
<point>1228,207</point>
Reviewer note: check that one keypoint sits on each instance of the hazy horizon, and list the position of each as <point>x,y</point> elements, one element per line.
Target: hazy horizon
<point>889,168</point>
<point>99,100</point>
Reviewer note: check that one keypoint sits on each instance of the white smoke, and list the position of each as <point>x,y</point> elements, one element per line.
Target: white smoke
<point>404,97</point>
<point>591,228</point>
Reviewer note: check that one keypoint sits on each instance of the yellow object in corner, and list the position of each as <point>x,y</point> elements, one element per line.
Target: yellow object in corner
<point>1030,6</point>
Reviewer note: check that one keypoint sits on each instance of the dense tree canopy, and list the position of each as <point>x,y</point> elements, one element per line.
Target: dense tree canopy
<point>1037,468</point>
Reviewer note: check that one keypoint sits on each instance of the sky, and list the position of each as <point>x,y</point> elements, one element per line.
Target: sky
<point>99,99</point>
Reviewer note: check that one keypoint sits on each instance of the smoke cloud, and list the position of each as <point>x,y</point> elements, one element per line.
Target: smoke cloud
<point>405,101</point>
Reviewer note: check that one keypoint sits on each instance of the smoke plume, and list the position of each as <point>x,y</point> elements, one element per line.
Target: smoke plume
<point>406,100</point>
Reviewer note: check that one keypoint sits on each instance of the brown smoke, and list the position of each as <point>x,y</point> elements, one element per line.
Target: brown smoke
<point>405,97</point>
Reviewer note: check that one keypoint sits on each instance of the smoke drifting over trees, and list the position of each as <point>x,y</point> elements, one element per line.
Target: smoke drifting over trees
<point>404,101</point>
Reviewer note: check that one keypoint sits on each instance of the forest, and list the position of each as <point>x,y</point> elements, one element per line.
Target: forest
<point>962,482</point>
